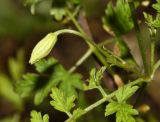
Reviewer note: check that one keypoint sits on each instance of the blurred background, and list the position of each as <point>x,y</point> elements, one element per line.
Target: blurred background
<point>19,33</point>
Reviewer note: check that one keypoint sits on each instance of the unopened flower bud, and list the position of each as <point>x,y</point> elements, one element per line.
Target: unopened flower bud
<point>43,48</point>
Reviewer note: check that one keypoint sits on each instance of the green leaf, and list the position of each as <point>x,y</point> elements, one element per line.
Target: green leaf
<point>44,47</point>
<point>70,83</point>
<point>67,82</point>
<point>7,91</point>
<point>95,78</point>
<point>16,65</point>
<point>111,108</point>
<point>43,64</point>
<point>116,16</point>
<point>114,60</point>
<point>37,117</point>
<point>58,13</point>
<point>156,6</point>
<point>125,92</point>
<point>26,86</point>
<point>61,102</point>
<point>50,82</point>
<point>52,74</point>
<point>76,114</point>
<point>123,111</point>
<point>151,22</point>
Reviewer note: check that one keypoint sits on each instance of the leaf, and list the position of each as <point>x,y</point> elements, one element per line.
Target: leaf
<point>111,108</point>
<point>62,102</point>
<point>123,111</point>
<point>7,91</point>
<point>153,23</point>
<point>125,92</point>
<point>67,82</point>
<point>70,83</point>
<point>44,47</point>
<point>50,82</point>
<point>26,86</point>
<point>116,16</point>
<point>76,114</point>
<point>43,64</point>
<point>95,78</point>
<point>58,13</point>
<point>16,65</point>
<point>52,74</point>
<point>113,60</point>
<point>156,6</point>
<point>37,117</point>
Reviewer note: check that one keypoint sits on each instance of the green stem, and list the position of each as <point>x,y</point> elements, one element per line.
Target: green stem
<point>139,36</point>
<point>102,91</point>
<point>87,54</point>
<point>69,114</point>
<point>94,105</point>
<point>93,46</point>
<point>155,67</point>
<point>108,97</point>
<point>100,53</point>
<point>152,54</point>
<point>81,60</point>
<point>74,21</point>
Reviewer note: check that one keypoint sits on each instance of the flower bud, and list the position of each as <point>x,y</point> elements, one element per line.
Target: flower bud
<point>43,48</point>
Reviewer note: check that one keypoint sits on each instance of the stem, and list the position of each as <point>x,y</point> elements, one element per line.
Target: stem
<point>102,91</point>
<point>155,67</point>
<point>74,21</point>
<point>94,105</point>
<point>101,54</point>
<point>69,114</point>
<point>87,54</point>
<point>108,97</point>
<point>152,54</point>
<point>81,60</point>
<point>93,46</point>
<point>139,36</point>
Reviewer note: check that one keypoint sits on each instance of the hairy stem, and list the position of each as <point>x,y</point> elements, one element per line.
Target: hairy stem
<point>109,96</point>
<point>102,91</point>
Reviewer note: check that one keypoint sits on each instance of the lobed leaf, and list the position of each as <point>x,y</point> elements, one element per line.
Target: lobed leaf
<point>37,117</point>
<point>123,111</point>
<point>62,102</point>
<point>42,84</point>
<point>95,78</point>
<point>125,92</point>
<point>76,114</point>
<point>116,16</point>
<point>27,85</point>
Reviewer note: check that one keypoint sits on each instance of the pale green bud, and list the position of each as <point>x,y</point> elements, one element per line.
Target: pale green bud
<point>43,48</point>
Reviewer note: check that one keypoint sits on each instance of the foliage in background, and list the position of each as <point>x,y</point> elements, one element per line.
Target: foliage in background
<point>65,86</point>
